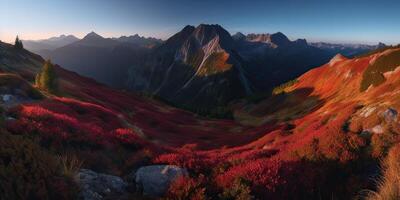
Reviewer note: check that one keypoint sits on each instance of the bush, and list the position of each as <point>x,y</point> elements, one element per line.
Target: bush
<point>27,172</point>
<point>381,143</point>
<point>239,190</point>
<point>185,188</point>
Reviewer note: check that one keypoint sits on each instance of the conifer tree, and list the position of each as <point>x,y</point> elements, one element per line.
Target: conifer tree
<point>18,43</point>
<point>46,78</point>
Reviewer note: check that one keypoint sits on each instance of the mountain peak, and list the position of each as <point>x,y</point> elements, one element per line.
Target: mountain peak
<point>302,42</point>
<point>381,45</point>
<point>279,39</point>
<point>337,58</point>
<point>238,36</point>
<point>92,35</point>
<point>206,32</point>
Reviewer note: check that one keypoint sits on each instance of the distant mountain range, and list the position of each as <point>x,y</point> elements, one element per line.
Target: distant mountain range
<point>45,45</point>
<point>201,67</point>
<point>105,59</point>
<point>348,50</point>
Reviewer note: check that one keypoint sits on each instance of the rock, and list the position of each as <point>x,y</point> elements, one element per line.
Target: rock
<point>390,115</point>
<point>378,129</point>
<point>96,186</point>
<point>367,111</point>
<point>154,180</point>
<point>9,118</point>
<point>6,97</point>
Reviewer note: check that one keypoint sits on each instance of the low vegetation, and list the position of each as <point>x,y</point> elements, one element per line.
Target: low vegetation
<point>373,75</point>
<point>29,172</point>
<point>215,63</point>
<point>389,184</point>
<point>281,88</point>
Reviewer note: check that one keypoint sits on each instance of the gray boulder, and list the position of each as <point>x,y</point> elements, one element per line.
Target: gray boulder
<point>96,186</point>
<point>390,115</point>
<point>155,180</point>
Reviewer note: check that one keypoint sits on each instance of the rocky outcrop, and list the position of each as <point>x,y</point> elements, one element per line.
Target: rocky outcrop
<point>95,186</point>
<point>154,180</point>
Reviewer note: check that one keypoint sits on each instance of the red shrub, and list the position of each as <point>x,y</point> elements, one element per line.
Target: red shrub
<point>185,188</point>
<point>66,121</point>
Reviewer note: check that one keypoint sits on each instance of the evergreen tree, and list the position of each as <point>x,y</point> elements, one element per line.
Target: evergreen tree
<point>18,43</point>
<point>46,78</point>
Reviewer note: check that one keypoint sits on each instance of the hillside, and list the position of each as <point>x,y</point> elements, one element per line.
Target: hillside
<point>325,121</point>
<point>103,59</point>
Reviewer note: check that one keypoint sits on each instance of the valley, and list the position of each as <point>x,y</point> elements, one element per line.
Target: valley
<point>339,119</point>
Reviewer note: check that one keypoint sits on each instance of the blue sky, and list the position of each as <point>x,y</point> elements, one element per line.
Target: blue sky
<point>332,21</point>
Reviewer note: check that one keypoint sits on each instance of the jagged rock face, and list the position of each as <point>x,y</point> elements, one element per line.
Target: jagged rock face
<point>205,66</point>
<point>196,67</point>
<point>275,40</point>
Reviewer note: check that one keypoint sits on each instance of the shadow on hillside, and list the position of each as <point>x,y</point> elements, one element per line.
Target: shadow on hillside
<point>285,106</point>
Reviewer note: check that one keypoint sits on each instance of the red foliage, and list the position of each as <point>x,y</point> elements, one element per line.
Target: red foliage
<point>67,121</point>
<point>185,188</point>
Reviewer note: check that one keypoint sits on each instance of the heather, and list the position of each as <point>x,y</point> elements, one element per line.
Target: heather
<point>317,138</point>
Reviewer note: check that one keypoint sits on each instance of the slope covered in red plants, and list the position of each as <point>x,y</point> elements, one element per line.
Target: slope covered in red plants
<point>320,138</point>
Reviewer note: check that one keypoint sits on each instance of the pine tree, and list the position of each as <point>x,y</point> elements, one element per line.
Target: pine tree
<point>18,43</point>
<point>46,78</point>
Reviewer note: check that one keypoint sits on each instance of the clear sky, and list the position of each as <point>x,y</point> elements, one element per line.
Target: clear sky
<point>351,21</point>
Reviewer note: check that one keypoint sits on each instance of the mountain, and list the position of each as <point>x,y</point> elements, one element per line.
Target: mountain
<point>349,50</point>
<point>43,46</point>
<point>104,59</point>
<point>322,134</point>
<point>199,67</point>
<point>204,67</point>
<point>149,42</point>
<point>272,59</point>
<point>196,66</point>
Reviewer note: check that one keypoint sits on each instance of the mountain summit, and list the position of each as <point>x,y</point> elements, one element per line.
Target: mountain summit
<point>93,35</point>
<point>204,66</point>
<point>276,39</point>
<point>195,67</point>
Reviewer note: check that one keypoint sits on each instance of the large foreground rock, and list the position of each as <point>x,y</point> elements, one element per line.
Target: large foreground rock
<point>154,180</point>
<point>95,186</point>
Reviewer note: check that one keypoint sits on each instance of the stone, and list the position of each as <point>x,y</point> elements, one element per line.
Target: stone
<point>378,129</point>
<point>155,180</point>
<point>95,186</point>
<point>6,97</point>
<point>390,115</point>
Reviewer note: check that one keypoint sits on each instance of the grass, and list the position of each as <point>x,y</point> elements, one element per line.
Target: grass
<point>373,75</point>
<point>70,165</point>
<point>281,88</point>
<point>216,63</point>
<point>389,184</point>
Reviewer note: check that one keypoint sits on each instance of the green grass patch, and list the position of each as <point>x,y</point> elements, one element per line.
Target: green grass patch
<point>373,75</point>
<point>281,88</point>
